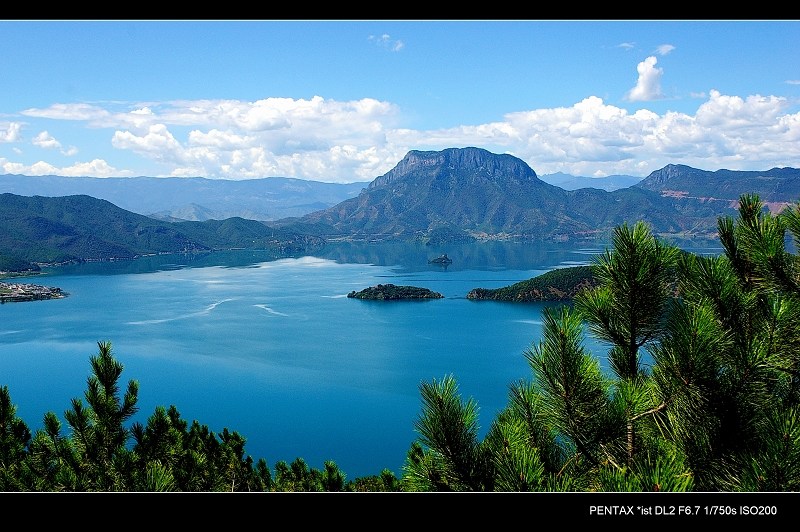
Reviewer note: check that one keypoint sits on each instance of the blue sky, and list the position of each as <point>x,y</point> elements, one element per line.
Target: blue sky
<point>344,101</point>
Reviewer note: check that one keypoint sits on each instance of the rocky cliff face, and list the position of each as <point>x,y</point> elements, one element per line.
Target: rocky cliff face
<point>660,179</point>
<point>451,164</point>
<point>470,190</point>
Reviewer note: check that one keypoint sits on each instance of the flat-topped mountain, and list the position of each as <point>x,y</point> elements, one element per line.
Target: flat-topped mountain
<point>473,192</point>
<point>467,189</point>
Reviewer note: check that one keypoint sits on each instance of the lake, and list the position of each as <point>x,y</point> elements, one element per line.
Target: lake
<point>274,350</point>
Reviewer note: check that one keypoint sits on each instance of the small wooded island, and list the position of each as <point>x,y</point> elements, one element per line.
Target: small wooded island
<point>392,292</point>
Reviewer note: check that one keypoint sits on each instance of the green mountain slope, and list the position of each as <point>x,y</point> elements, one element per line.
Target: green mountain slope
<point>474,193</point>
<point>37,229</point>
<point>777,187</point>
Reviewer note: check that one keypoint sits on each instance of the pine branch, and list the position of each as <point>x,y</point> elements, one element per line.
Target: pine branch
<point>653,410</point>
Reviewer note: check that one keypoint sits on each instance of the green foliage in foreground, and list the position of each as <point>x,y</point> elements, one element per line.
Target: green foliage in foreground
<point>702,391</point>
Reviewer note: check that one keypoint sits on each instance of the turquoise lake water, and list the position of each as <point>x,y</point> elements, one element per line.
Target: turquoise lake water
<point>274,350</point>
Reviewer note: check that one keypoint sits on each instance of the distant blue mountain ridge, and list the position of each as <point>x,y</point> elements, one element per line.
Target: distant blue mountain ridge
<point>607,183</point>
<point>193,198</point>
<point>199,199</point>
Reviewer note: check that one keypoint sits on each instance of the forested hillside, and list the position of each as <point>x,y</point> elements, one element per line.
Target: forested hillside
<point>561,284</point>
<point>38,229</point>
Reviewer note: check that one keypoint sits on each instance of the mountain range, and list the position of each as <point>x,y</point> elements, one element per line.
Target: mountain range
<point>573,182</point>
<point>456,194</point>
<point>473,193</point>
<point>777,187</point>
<point>193,198</point>
<point>266,199</point>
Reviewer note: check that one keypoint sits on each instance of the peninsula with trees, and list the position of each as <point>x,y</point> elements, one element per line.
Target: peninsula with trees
<point>561,284</point>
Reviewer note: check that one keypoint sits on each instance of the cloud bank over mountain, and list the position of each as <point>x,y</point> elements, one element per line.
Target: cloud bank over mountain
<point>334,141</point>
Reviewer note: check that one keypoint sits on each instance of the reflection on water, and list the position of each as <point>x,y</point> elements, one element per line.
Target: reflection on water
<point>406,257</point>
<point>466,256</point>
<point>169,261</point>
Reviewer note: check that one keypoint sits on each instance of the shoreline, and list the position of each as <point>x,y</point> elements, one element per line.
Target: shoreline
<point>18,292</point>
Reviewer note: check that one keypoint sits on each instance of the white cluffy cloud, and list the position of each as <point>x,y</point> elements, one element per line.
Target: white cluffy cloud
<point>277,136</point>
<point>46,141</point>
<point>359,140</point>
<point>95,168</point>
<point>648,86</point>
<point>10,131</point>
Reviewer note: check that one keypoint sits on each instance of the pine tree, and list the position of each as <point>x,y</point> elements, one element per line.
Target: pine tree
<point>703,387</point>
<point>15,437</point>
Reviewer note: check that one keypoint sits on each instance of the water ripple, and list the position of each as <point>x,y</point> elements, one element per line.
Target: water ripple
<point>270,310</point>
<point>203,312</point>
